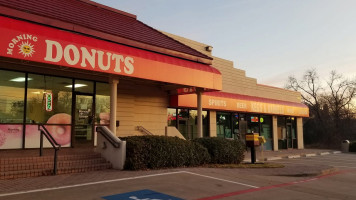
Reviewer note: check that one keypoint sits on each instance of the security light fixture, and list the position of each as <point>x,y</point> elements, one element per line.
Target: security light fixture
<point>209,48</point>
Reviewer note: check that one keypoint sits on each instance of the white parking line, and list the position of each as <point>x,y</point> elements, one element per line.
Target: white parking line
<point>222,179</point>
<point>121,179</point>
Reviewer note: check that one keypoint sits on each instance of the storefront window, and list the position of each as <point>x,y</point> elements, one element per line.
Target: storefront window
<point>253,125</point>
<point>286,132</point>
<point>54,111</point>
<point>84,86</point>
<point>12,87</point>
<point>38,86</point>
<point>171,117</point>
<point>266,131</point>
<point>193,121</point>
<point>282,133</point>
<point>223,125</point>
<point>102,104</point>
<point>188,122</point>
<point>183,125</point>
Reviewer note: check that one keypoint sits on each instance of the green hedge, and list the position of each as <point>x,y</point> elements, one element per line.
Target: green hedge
<point>153,152</point>
<point>223,151</point>
<point>352,147</point>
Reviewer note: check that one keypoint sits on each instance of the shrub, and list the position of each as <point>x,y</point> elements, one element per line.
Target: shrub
<point>153,152</point>
<point>352,147</point>
<point>223,151</point>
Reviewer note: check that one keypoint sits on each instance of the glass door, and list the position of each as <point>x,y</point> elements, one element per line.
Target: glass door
<point>84,119</point>
<point>289,136</point>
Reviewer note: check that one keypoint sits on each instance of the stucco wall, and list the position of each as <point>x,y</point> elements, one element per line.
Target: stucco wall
<point>141,105</point>
<point>235,80</point>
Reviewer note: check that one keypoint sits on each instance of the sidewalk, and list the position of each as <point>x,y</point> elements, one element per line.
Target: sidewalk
<point>287,153</point>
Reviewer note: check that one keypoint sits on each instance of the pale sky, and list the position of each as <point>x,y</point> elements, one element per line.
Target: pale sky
<point>269,39</point>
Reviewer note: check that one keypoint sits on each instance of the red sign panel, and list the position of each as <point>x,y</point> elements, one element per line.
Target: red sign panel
<point>27,41</point>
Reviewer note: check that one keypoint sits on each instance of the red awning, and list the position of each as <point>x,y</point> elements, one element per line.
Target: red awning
<point>33,42</point>
<point>240,103</point>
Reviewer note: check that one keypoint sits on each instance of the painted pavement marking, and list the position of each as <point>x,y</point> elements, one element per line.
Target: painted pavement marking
<point>220,196</point>
<point>117,180</point>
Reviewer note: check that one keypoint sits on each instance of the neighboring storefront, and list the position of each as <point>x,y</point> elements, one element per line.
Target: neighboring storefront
<point>243,106</point>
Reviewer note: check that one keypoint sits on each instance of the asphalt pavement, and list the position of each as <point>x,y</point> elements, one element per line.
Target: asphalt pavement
<point>327,176</point>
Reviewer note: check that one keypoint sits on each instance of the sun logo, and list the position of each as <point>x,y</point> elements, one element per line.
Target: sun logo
<point>26,49</point>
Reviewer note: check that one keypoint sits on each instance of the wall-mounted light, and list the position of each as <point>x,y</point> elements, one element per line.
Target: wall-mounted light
<point>209,48</point>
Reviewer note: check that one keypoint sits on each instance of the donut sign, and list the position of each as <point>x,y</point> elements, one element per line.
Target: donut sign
<point>49,102</point>
<point>32,42</point>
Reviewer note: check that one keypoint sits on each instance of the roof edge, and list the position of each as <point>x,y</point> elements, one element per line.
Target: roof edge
<point>109,8</point>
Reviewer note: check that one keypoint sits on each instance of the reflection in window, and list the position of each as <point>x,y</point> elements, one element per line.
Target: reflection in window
<point>36,92</point>
<point>223,125</point>
<point>12,87</point>
<point>266,131</point>
<point>187,121</point>
<point>171,117</point>
<point>102,104</point>
<point>253,125</point>
<point>83,86</point>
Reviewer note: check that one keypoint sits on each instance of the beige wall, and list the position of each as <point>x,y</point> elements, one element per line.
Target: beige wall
<point>300,137</point>
<point>141,105</point>
<point>235,80</point>
<point>212,121</point>
<point>275,133</point>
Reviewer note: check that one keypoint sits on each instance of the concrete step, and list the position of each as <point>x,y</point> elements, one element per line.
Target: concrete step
<point>18,160</point>
<point>49,164</point>
<point>46,172</point>
<point>22,167</point>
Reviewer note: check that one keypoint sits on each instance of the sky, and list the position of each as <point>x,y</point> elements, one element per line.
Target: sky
<point>269,39</point>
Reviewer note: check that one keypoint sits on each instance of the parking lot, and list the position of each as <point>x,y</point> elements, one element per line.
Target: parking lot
<point>199,183</point>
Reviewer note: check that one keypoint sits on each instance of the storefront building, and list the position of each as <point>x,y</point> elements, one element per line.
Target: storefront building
<point>73,65</point>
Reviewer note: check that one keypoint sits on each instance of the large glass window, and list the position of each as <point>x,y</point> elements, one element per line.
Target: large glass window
<point>223,125</point>
<point>102,104</point>
<point>193,122</point>
<point>56,117</point>
<point>172,117</point>
<point>253,125</point>
<point>282,132</point>
<point>12,87</point>
<point>84,86</point>
<point>186,122</point>
<point>38,86</point>
<point>266,131</point>
<point>12,94</point>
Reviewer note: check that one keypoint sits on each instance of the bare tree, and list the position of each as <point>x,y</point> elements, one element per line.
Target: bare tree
<point>339,99</point>
<point>310,89</point>
<point>330,107</point>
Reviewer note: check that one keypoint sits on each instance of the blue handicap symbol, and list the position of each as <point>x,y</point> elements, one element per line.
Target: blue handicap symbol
<point>141,195</point>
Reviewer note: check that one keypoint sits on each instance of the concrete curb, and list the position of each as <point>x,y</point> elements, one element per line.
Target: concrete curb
<point>293,156</point>
<point>309,155</point>
<point>301,155</point>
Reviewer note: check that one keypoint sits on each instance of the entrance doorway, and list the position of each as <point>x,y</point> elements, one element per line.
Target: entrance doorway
<point>83,123</point>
